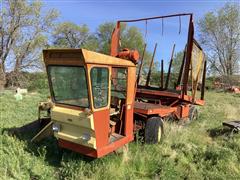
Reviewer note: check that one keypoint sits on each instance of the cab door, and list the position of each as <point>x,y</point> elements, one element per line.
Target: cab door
<point>99,83</point>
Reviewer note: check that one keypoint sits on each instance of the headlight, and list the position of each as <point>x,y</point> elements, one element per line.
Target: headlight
<point>56,127</point>
<point>86,137</point>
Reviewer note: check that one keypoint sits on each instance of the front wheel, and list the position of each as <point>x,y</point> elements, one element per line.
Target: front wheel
<point>153,130</point>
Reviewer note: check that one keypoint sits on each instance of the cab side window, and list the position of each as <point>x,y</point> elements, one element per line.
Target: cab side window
<point>119,82</point>
<point>100,83</point>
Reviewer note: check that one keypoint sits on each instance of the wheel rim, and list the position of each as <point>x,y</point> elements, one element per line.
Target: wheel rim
<point>194,115</point>
<point>159,134</point>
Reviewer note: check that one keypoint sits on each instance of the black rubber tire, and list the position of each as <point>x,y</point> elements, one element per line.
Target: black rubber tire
<point>193,113</point>
<point>153,130</point>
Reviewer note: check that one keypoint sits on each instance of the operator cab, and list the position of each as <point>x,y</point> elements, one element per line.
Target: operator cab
<point>93,96</point>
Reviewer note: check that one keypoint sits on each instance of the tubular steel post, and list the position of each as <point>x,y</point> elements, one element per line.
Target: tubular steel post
<point>181,68</point>
<point>140,67</point>
<point>188,57</point>
<point>150,67</point>
<point>203,80</point>
<point>115,40</point>
<point>162,74</point>
<point>156,17</point>
<point>169,68</point>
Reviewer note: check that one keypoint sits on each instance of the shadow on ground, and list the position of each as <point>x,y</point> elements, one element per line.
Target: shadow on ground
<point>221,131</point>
<point>47,147</point>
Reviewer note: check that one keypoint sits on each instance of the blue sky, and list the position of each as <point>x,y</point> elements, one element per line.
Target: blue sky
<point>95,12</point>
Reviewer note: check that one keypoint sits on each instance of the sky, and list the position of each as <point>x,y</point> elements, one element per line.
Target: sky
<point>93,12</point>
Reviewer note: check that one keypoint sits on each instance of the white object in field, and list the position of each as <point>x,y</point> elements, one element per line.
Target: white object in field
<point>22,91</point>
<point>18,96</point>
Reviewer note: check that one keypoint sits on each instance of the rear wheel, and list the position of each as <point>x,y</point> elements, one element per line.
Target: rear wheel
<point>193,113</point>
<point>153,130</point>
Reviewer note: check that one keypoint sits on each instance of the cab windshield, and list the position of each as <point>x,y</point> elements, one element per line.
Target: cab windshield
<point>69,85</point>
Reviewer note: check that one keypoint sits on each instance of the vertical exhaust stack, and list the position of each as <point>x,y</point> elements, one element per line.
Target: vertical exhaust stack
<point>115,40</point>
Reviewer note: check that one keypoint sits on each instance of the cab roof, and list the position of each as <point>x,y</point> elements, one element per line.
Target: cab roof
<point>81,57</point>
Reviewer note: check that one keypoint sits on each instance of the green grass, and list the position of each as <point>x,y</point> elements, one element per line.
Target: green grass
<point>200,150</point>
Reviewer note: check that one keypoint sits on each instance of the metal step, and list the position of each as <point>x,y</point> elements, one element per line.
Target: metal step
<point>114,137</point>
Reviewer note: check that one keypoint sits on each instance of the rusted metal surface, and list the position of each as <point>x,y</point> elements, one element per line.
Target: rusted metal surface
<point>115,41</point>
<point>162,74</point>
<point>156,17</point>
<point>188,56</point>
<point>182,111</point>
<point>158,93</point>
<point>234,89</point>
<point>185,64</point>
<point>149,109</point>
<point>147,106</point>
<point>148,93</point>
<point>132,55</point>
<point>203,80</point>
<point>172,97</point>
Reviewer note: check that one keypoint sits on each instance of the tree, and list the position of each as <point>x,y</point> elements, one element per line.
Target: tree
<point>23,29</point>
<point>177,62</point>
<point>103,37</point>
<point>175,69</point>
<point>220,35</point>
<point>131,37</point>
<point>70,35</point>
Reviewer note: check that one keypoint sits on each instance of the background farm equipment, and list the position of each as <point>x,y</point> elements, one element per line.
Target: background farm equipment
<point>234,125</point>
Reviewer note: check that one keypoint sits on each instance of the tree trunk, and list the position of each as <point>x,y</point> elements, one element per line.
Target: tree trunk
<point>2,78</point>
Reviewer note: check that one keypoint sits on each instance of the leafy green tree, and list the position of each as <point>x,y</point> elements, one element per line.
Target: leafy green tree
<point>176,66</point>
<point>131,38</point>
<point>220,34</point>
<point>70,35</point>
<point>103,37</point>
<point>177,62</point>
<point>175,69</point>
<point>23,30</point>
